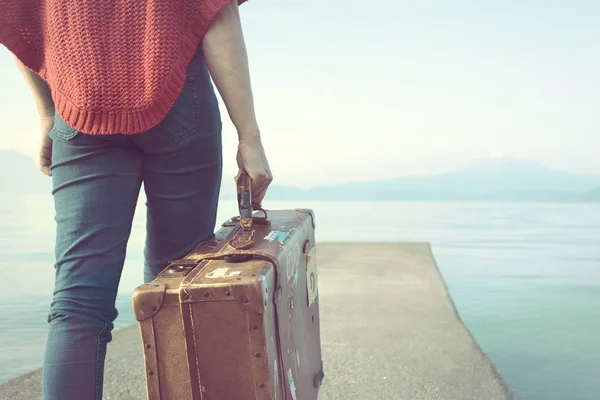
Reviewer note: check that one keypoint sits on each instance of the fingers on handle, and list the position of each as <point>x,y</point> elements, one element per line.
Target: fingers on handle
<point>259,189</point>
<point>259,186</point>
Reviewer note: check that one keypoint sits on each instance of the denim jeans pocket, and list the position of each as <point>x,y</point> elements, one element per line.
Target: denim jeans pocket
<point>183,117</point>
<point>62,129</point>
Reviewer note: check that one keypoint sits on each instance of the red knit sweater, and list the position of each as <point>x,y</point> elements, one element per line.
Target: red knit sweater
<point>112,66</point>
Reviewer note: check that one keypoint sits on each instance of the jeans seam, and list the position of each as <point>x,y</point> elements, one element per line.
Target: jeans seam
<point>175,138</point>
<point>99,370</point>
<point>62,129</point>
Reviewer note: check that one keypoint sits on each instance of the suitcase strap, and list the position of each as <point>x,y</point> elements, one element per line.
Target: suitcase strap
<point>188,322</point>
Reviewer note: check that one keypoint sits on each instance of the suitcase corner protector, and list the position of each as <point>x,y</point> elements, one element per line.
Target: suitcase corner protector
<point>147,299</point>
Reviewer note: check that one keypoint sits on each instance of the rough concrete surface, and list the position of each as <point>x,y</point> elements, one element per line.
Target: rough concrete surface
<point>389,331</point>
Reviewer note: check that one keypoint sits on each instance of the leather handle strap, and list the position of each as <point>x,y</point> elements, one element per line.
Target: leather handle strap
<point>244,196</point>
<point>244,236</point>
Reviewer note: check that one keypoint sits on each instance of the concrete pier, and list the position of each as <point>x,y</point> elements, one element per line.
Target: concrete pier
<point>389,329</point>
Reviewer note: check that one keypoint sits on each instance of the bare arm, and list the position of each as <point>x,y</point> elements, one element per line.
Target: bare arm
<point>45,107</point>
<point>227,60</point>
<point>39,89</point>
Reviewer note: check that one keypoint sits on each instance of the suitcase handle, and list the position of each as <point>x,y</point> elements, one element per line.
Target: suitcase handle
<point>244,236</point>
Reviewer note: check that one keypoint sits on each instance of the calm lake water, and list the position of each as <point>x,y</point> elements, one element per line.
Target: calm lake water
<point>525,278</point>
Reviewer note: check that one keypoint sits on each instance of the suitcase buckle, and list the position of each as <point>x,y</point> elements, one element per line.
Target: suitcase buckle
<point>243,239</point>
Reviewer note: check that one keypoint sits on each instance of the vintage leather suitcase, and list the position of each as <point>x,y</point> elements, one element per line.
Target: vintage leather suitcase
<point>238,317</point>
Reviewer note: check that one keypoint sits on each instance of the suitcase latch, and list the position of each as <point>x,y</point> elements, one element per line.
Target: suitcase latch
<point>318,379</point>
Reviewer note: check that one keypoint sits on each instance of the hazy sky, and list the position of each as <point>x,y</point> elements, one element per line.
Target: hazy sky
<point>366,90</point>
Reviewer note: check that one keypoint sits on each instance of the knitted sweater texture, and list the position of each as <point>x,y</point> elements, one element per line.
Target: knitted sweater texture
<point>113,66</point>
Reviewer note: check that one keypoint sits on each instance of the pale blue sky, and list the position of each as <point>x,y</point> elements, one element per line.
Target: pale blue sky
<point>368,90</point>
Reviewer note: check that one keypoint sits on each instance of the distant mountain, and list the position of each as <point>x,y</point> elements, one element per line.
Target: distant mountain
<point>494,179</point>
<point>20,175</point>
<point>502,179</point>
<point>592,196</point>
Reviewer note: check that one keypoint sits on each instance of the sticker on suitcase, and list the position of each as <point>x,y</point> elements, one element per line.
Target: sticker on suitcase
<point>222,273</point>
<point>278,236</point>
<point>275,374</point>
<point>292,255</point>
<point>292,384</point>
<point>312,284</point>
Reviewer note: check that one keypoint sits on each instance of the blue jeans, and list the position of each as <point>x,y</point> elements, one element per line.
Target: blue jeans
<point>96,184</point>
